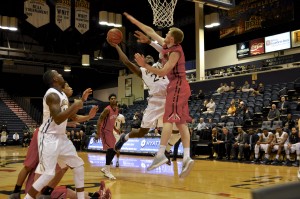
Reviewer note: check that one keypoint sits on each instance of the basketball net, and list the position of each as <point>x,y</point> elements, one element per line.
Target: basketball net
<point>163,11</point>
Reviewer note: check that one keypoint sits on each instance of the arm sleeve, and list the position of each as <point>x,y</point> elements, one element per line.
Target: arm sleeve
<point>156,46</point>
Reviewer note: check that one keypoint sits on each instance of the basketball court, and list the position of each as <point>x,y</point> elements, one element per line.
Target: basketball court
<point>208,180</point>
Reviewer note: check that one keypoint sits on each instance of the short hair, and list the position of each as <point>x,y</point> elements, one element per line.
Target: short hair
<point>112,95</point>
<point>48,77</point>
<point>177,34</point>
<point>150,60</point>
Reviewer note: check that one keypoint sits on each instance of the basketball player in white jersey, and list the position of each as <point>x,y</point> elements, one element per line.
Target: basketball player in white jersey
<point>153,114</point>
<point>280,139</point>
<point>118,130</point>
<point>54,146</point>
<point>263,144</point>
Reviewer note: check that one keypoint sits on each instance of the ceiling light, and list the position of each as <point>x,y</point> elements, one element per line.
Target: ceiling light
<point>208,22</point>
<point>214,18</point>
<point>118,20</point>
<point>13,24</point>
<point>111,19</point>
<point>85,60</point>
<point>5,22</point>
<point>103,17</point>
<point>67,68</point>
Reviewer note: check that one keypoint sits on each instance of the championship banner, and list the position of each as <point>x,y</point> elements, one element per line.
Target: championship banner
<point>63,14</point>
<point>82,16</point>
<point>37,12</point>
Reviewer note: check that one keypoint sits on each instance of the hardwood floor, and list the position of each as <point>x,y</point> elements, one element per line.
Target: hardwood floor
<point>208,180</point>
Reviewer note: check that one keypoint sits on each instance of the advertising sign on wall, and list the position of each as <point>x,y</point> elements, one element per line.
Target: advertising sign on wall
<point>278,42</point>
<point>242,49</point>
<point>257,46</point>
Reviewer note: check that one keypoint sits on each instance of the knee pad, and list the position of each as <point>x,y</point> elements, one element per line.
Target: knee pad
<point>42,181</point>
<point>79,176</point>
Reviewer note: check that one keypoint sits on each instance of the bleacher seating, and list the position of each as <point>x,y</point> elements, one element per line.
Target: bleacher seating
<point>10,119</point>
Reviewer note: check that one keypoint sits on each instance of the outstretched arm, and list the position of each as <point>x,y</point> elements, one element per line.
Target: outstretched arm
<point>131,66</point>
<point>146,29</point>
<point>173,58</point>
<point>142,38</point>
<point>83,118</point>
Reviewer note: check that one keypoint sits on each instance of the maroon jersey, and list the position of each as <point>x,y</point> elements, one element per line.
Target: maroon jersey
<point>178,90</point>
<point>107,137</point>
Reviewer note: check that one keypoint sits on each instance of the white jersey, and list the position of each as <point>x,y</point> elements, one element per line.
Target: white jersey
<point>119,121</point>
<point>279,138</point>
<point>157,85</point>
<point>265,138</point>
<point>49,126</point>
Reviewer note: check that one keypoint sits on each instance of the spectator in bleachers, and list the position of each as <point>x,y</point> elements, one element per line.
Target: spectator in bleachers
<point>211,106</point>
<point>226,87</point>
<point>201,126</point>
<point>253,85</point>
<point>192,125</point>
<point>210,124</point>
<point>220,89</point>
<point>292,146</point>
<point>274,113</point>
<point>240,113</point>
<point>280,139</point>
<point>232,87</point>
<point>246,87</point>
<point>231,111</point>
<point>3,137</point>
<point>260,89</point>
<point>201,95</point>
<point>250,143</point>
<point>288,122</point>
<point>16,138</point>
<point>203,106</point>
<point>283,106</point>
<point>239,145</point>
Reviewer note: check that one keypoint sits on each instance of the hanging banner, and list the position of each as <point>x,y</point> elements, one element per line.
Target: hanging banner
<point>37,12</point>
<point>82,16</point>
<point>63,14</point>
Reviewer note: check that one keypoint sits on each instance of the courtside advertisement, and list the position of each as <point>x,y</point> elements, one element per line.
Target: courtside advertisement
<point>135,145</point>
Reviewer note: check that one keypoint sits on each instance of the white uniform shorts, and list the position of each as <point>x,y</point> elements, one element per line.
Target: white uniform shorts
<point>276,147</point>
<point>53,149</point>
<point>117,135</point>
<point>264,147</point>
<point>153,114</point>
<point>293,149</point>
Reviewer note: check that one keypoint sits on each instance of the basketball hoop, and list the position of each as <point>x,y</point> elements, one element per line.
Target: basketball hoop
<point>163,11</point>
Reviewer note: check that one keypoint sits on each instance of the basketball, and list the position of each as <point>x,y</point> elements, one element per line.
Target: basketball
<point>115,35</point>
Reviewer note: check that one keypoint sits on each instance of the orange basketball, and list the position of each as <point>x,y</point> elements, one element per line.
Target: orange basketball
<point>115,35</point>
